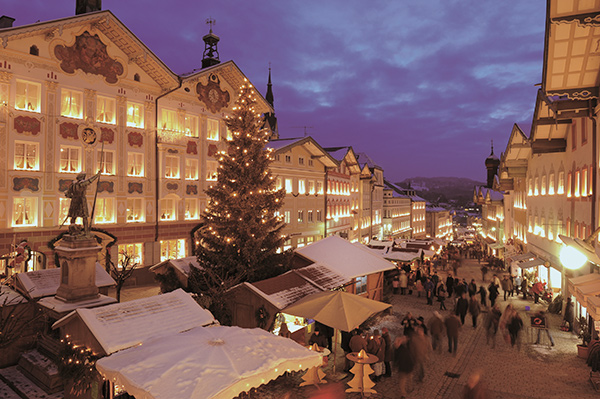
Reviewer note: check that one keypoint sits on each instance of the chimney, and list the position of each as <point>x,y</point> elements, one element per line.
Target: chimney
<point>210,56</point>
<point>6,22</point>
<point>85,6</point>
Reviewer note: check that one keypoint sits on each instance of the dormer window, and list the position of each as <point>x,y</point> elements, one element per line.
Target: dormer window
<point>34,50</point>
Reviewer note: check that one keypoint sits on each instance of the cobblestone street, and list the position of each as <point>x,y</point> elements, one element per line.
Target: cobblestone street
<point>534,371</point>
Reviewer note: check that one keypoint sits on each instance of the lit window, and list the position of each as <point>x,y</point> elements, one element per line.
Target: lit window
<point>108,165</point>
<point>211,170</point>
<point>168,209</point>
<point>105,110</point>
<point>71,103</point>
<point>278,184</point>
<point>309,240</point>
<point>536,190</point>
<point>135,251</point>
<point>288,185</point>
<point>105,210</point>
<point>228,134</point>
<point>26,156</point>
<point>577,183</point>
<point>169,120</point>
<point>24,211</point>
<point>63,211</point>
<point>301,186</point>
<point>135,115</point>
<point>287,217</point>
<point>135,164</point>
<point>171,167</point>
<point>300,216</point>
<point>70,159</point>
<point>319,215</point>
<point>191,169</point>
<point>300,242</point>
<point>287,244</point>
<point>135,210</point>
<point>551,184</point>
<point>172,249</point>
<point>543,189</point>
<point>584,182</point>
<point>212,129</point>
<point>569,185</point>
<point>561,183</point>
<point>28,96</point>
<point>191,208</point>
<point>319,187</point>
<point>530,191</point>
<point>361,285</point>
<point>311,187</point>
<point>191,125</point>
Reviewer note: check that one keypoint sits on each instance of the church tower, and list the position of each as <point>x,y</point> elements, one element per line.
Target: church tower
<point>491,163</point>
<point>270,118</point>
<point>210,56</point>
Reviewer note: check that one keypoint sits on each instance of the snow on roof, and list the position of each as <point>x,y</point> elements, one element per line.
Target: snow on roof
<point>42,283</point>
<point>10,297</point>
<point>283,290</point>
<point>281,143</point>
<point>216,362</point>
<point>400,256</point>
<point>375,243</point>
<point>127,324</point>
<point>345,258</point>
<point>322,276</point>
<point>183,264</point>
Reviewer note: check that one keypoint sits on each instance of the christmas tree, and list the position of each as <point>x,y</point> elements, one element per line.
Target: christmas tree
<point>241,238</point>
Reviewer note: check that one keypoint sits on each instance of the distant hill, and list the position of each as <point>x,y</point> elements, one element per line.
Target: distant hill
<point>452,190</point>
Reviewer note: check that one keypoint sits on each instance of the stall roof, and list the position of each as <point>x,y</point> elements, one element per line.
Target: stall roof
<point>521,257</point>
<point>584,292</point>
<point>127,324</point>
<point>43,283</point>
<point>531,263</point>
<point>322,276</point>
<point>345,258</point>
<point>398,256</point>
<point>216,362</point>
<point>183,264</point>
<point>574,282</point>
<point>9,297</point>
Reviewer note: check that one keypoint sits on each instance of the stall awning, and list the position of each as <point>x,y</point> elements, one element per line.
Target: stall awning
<point>584,292</point>
<point>574,282</point>
<point>531,263</point>
<point>519,258</point>
<point>497,245</point>
<point>593,307</point>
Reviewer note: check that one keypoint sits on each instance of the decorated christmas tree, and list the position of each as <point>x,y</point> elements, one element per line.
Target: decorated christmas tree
<point>241,236</point>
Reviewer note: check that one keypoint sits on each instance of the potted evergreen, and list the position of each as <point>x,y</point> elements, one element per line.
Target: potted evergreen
<point>584,333</point>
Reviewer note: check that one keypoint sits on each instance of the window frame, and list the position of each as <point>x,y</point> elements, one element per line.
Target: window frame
<point>68,111</point>
<point>25,145</point>
<point>38,97</point>
<point>110,100</point>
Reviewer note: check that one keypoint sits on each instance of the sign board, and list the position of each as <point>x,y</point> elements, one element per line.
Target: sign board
<point>538,322</point>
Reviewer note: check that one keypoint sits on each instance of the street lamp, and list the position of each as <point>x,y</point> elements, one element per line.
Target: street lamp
<point>576,251</point>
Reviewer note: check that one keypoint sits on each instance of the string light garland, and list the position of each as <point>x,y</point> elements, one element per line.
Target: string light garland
<point>77,364</point>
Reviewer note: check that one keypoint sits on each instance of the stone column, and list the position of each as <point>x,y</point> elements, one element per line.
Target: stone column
<point>77,256</point>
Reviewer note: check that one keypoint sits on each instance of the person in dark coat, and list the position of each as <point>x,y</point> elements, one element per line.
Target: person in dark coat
<point>318,338</point>
<point>462,306</point>
<point>452,323</point>
<point>376,346</point>
<point>358,342</point>
<point>389,352</point>
<point>450,285</point>
<point>472,288</point>
<point>483,296</point>
<point>515,325</point>
<point>569,315</point>
<point>437,330</point>
<point>493,290</point>
<point>429,287</point>
<point>345,344</point>
<point>474,310</point>
<point>491,323</point>
<point>404,363</point>
<point>408,322</point>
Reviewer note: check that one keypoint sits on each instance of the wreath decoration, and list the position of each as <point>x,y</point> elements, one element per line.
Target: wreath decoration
<point>262,315</point>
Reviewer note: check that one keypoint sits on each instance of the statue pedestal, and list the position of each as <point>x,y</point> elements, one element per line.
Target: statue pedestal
<point>77,257</point>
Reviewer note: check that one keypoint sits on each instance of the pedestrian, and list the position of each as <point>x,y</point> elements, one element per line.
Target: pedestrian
<point>514,328</point>
<point>537,289</point>
<point>524,287</point>
<point>474,388</point>
<point>396,284</point>
<point>449,284</point>
<point>441,296</point>
<point>493,293</point>
<point>411,282</point>
<point>483,296</point>
<point>484,271</point>
<point>472,288</point>
<point>389,352</point>
<point>544,322</point>
<point>420,347</point>
<point>435,279</point>
<point>505,321</point>
<point>358,341</point>
<point>462,306</point>
<point>284,331</point>
<point>437,330</point>
<point>403,282</point>
<point>452,323</point>
<point>518,280</point>
<point>506,286</point>
<point>404,364</point>
<point>408,323</point>
<point>345,345</point>
<point>419,287</point>
<point>491,323</point>
<point>474,310</point>
<point>496,281</point>
<point>318,338</point>
<point>376,346</point>
<point>569,315</point>
<point>429,290</point>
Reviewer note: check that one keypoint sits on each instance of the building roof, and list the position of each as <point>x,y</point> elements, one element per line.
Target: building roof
<point>310,144</point>
<point>345,258</point>
<point>43,283</point>
<point>183,265</point>
<point>364,159</point>
<point>127,324</point>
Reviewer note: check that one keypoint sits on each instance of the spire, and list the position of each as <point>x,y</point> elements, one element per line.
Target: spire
<point>492,153</point>
<point>269,96</point>
<point>491,164</point>
<point>210,56</point>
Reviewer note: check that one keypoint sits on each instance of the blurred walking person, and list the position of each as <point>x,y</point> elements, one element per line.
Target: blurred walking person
<point>492,320</point>
<point>437,330</point>
<point>389,352</point>
<point>474,388</point>
<point>462,307</point>
<point>483,296</point>
<point>404,364</point>
<point>514,328</point>
<point>452,323</point>
<point>376,346</point>
<point>474,310</point>
<point>420,347</point>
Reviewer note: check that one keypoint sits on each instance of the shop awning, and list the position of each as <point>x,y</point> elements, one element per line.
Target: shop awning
<point>572,283</point>
<point>593,307</point>
<point>497,245</point>
<point>531,263</point>
<point>584,292</point>
<point>519,258</point>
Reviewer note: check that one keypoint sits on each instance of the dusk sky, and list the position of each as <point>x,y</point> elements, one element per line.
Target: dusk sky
<point>420,86</point>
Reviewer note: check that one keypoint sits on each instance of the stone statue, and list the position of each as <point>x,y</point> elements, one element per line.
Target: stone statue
<point>79,207</point>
